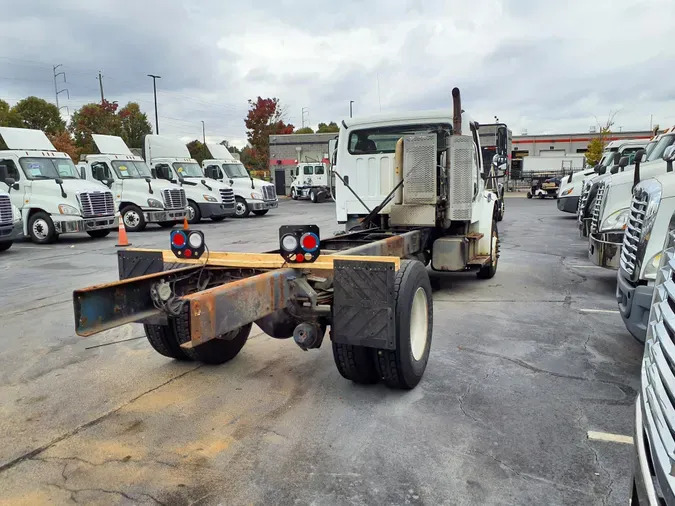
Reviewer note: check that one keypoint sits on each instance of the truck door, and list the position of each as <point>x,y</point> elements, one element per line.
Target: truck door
<point>16,196</point>
<point>101,172</point>
<point>307,172</point>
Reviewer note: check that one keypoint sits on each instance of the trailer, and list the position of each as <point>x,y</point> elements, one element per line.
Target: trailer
<point>369,284</point>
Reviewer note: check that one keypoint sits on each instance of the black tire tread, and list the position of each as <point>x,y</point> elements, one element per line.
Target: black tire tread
<point>355,363</point>
<point>163,341</point>
<point>488,271</point>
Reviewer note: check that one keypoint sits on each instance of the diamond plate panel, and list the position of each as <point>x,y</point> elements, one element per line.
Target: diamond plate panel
<point>364,304</point>
<point>462,174</point>
<point>419,169</point>
<point>423,216</point>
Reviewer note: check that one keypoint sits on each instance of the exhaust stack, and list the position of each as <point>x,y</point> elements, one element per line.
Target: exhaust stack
<point>456,112</point>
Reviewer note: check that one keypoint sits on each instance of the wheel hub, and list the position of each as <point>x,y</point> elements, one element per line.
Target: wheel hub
<point>240,209</point>
<point>131,219</point>
<point>40,229</point>
<point>190,213</point>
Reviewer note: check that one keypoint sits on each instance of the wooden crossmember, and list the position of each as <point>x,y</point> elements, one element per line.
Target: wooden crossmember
<point>266,260</point>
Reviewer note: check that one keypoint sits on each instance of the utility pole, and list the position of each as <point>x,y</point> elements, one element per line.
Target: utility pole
<point>154,88</point>
<point>57,92</point>
<point>100,83</point>
<point>351,103</point>
<point>304,111</point>
<point>204,132</point>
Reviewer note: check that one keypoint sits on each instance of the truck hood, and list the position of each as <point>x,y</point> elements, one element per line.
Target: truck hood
<point>157,184</point>
<point>216,185</point>
<point>73,185</point>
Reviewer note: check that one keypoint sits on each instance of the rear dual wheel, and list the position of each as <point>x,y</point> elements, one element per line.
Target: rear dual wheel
<point>403,367</point>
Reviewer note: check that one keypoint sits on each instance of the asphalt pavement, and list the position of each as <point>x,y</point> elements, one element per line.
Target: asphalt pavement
<point>522,366</point>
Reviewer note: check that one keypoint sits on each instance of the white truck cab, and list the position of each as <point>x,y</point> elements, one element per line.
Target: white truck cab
<point>140,198</point>
<point>49,192</point>
<point>169,159</point>
<point>11,227</point>
<point>251,194</point>
<point>310,182</point>
<point>611,210</point>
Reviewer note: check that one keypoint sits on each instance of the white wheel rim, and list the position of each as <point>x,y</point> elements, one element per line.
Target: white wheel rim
<point>419,323</point>
<point>240,209</point>
<point>131,219</point>
<point>190,213</point>
<point>40,229</point>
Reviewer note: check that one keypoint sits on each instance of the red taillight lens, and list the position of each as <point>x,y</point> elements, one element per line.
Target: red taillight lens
<point>309,241</point>
<point>178,239</point>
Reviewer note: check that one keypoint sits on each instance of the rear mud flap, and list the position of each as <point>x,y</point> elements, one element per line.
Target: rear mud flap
<point>364,304</point>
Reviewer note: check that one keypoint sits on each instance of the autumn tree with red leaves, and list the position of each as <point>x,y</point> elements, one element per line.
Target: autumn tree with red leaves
<point>63,143</point>
<point>94,119</point>
<point>264,118</point>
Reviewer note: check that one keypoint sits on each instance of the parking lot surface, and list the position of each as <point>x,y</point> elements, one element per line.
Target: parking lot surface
<point>522,366</point>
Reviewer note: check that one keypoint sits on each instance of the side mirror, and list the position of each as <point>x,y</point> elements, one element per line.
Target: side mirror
<point>153,171</point>
<point>614,169</point>
<point>616,158</point>
<point>109,182</point>
<point>602,170</point>
<point>669,154</point>
<point>9,181</point>
<point>639,156</point>
<point>58,180</point>
<point>147,179</point>
<point>623,162</point>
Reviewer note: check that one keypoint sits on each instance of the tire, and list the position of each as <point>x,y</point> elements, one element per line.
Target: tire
<point>262,212</point>
<point>312,196</point>
<point>5,245</point>
<point>488,271</point>
<point>502,210</point>
<point>355,363</point>
<point>294,194</point>
<point>217,218</point>
<point>133,218</point>
<point>41,228</point>
<point>99,234</point>
<point>167,224</point>
<point>194,215</point>
<point>164,341</point>
<point>529,195</point>
<point>241,208</point>
<point>404,367</point>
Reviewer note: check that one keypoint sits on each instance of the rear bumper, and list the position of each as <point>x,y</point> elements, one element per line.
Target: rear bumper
<point>214,209</point>
<point>64,225</point>
<point>604,249</point>
<point>261,205</point>
<point>160,216</point>
<point>568,204</point>
<point>634,305</point>
<point>12,232</point>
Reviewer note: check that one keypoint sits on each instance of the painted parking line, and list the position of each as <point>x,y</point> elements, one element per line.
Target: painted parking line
<point>585,267</point>
<point>610,311</point>
<point>612,438</point>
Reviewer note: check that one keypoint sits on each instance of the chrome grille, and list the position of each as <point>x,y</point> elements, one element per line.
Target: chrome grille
<point>269,192</point>
<point>6,217</point>
<point>582,200</point>
<point>97,204</point>
<point>227,195</point>
<point>596,212</point>
<point>174,198</point>
<point>633,233</point>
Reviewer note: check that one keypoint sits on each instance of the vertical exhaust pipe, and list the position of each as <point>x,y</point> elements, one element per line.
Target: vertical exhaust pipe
<point>456,112</point>
<point>636,172</point>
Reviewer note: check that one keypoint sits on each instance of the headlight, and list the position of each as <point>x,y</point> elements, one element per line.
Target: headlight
<point>652,267</point>
<point>616,221</point>
<point>209,198</point>
<point>66,209</point>
<point>256,196</point>
<point>650,189</point>
<point>155,203</point>
<point>16,213</point>
<point>567,192</point>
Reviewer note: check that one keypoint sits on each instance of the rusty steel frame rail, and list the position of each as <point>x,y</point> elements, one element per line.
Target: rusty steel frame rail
<point>218,310</point>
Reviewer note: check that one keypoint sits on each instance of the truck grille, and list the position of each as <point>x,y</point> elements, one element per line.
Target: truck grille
<point>631,238</point>
<point>97,204</point>
<point>6,217</point>
<point>174,198</point>
<point>269,192</point>
<point>227,195</point>
<point>582,200</point>
<point>596,212</point>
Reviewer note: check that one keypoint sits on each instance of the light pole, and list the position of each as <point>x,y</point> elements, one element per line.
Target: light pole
<point>351,103</point>
<point>204,132</point>
<point>154,89</point>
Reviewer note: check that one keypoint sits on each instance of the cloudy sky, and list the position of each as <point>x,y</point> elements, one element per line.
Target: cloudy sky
<point>540,66</point>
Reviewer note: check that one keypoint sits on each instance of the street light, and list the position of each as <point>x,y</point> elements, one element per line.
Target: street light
<point>351,103</point>
<point>154,89</point>
<point>204,132</point>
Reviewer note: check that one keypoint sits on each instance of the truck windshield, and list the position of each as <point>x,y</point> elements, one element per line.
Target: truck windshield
<point>235,170</point>
<point>188,169</point>
<point>49,168</point>
<point>129,169</point>
<point>383,139</point>
<point>660,147</point>
<point>318,170</point>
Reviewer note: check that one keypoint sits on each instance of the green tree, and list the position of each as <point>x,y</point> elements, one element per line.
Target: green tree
<point>39,114</point>
<point>329,128</point>
<point>9,117</point>
<point>135,125</point>
<point>304,130</point>
<point>198,151</point>
<point>596,146</point>
<point>248,157</point>
<point>264,118</point>
<point>94,119</point>
<point>231,148</point>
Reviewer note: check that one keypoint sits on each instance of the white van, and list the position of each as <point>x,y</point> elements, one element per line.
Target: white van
<point>252,195</point>
<point>11,228</point>
<point>49,192</point>
<point>311,181</point>
<point>140,198</point>
<point>169,159</point>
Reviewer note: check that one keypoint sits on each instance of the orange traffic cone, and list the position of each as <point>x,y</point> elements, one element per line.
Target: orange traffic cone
<point>185,223</point>
<point>122,239</point>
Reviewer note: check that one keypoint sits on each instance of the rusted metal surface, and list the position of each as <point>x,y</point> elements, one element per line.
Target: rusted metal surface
<point>400,246</point>
<point>104,307</point>
<point>219,310</point>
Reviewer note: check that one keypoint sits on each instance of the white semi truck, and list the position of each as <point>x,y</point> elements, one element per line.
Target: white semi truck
<point>11,227</point>
<point>611,209</point>
<point>49,192</point>
<point>251,195</point>
<point>140,198</point>
<point>169,159</point>
<point>311,182</point>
